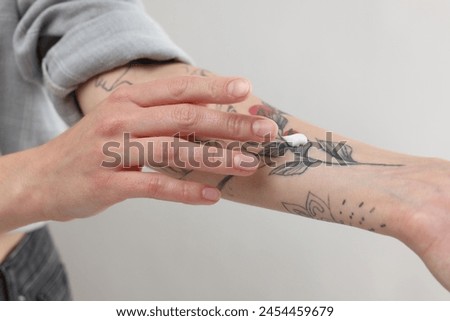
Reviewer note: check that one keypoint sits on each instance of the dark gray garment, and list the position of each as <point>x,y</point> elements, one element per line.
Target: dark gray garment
<point>33,271</point>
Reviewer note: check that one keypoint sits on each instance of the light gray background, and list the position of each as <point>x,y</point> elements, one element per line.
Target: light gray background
<point>378,71</point>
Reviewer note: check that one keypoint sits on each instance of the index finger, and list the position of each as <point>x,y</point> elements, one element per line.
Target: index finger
<point>188,89</point>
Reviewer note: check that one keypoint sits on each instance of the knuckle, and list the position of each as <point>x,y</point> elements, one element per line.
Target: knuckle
<point>216,88</point>
<point>155,186</point>
<point>185,193</point>
<point>186,116</point>
<point>110,125</point>
<point>121,94</point>
<point>99,182</point>
<point>177,87</point>
<point>236,124</point>
<point>158,154</point>
<point>174,155</point>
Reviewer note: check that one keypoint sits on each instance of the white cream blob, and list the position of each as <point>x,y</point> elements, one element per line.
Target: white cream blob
<point>296,140</point>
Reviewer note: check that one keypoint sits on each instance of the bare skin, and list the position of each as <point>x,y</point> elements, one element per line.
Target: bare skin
<point>341,180</point>
<point>66,179</point>
<point>335,178</point>
<point>7,243</point>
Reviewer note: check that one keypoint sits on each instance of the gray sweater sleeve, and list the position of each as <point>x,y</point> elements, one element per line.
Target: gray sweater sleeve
<point>61,44</point>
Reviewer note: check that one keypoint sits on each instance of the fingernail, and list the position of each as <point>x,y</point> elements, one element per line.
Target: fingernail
<point>245,162</point>
<point>211,194</point>
<point>264,127</point>
<point>238,88</point>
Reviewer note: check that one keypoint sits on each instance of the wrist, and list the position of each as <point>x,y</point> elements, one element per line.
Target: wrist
<point>96,89</point>
<point>22,202</point>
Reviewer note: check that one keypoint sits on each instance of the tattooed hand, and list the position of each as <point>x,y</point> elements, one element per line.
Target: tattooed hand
<point>338,180</point>
<point>334,179</point>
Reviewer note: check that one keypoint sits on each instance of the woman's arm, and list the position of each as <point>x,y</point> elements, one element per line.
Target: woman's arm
<point>71,176</point>
<point>332,178</point>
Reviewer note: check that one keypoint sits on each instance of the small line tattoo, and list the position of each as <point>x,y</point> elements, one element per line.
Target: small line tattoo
<point>319,208</point>
<point>102,83</point>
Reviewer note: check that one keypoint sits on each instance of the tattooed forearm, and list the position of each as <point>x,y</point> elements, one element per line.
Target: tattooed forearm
<point>331,153</point>
<point>345,213</point>
<point>335,153</point>
<point>108,86</point>
<point>276,115</point>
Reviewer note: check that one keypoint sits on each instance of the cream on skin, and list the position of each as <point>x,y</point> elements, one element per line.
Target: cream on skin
<point>295,140</point>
